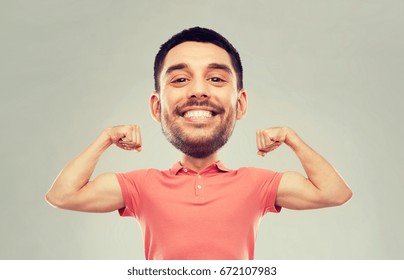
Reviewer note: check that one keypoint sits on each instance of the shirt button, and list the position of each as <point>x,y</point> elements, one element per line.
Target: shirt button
<point>199,187</point>
<point>185,170</point>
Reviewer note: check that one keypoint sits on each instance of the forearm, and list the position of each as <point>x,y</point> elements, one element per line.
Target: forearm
<point>77,173</point>
<point>318,170</point>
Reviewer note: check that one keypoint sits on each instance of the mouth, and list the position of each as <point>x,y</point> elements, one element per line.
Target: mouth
<point>198,114</point>
<point>199,111</point>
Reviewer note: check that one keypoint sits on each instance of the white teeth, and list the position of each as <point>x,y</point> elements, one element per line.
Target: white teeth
<point>198,114</point>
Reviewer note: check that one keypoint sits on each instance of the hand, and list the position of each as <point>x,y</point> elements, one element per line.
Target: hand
<point>269,139</point>
<point>126,137</point>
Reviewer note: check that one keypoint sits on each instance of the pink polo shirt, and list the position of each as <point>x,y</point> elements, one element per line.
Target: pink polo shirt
<point>213,214</point>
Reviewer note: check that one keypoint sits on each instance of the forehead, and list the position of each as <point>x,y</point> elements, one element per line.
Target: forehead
<point>197,54</point>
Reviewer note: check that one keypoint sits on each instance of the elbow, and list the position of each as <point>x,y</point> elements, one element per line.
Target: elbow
<point>50,198</point>
<point>347,196</point>
<point>54,200</point>
<point>341,197</point>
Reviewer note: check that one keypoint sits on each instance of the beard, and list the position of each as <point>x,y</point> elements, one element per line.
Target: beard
<point>208,140</point>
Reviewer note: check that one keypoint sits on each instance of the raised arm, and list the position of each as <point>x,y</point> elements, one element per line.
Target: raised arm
<point>73,189</point>
<point>321,187</point>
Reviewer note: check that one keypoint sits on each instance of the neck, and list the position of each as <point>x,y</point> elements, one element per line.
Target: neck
<point>198,164</point>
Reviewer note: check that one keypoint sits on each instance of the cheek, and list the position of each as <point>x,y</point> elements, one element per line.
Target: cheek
<point>167,108</point>
<point>165,103</point>
<point>231,101</point>
<point>170,98</point>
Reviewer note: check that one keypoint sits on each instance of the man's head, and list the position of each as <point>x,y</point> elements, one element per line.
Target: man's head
<point>199,94</point>
<point>202,35</point>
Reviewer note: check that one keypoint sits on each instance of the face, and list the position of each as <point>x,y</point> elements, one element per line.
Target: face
<point>198,103</point>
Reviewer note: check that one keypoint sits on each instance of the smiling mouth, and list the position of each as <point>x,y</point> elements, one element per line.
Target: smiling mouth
<point>198,114</point>
<point>199,111</point>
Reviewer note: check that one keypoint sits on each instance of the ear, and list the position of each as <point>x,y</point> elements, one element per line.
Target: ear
<point>155,106</point>
<point>241,104</point>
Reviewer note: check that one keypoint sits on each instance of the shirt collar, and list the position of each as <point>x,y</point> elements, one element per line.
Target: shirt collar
<point>177,167</point>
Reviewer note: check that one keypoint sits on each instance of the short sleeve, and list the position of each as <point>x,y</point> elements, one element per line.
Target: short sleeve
<point>131,183</point>
<point>267,182</point>
<point>271,187</point>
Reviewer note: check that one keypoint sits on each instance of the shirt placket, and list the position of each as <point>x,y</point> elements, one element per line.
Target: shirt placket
<point>199,188</point>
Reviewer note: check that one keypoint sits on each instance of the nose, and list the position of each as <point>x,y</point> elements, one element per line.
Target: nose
<point>199,89</point>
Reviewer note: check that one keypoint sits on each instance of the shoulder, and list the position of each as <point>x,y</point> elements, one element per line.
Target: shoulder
<point>259,175</point>
<point>144,172</point>
<point>256,171</point>
<point>139,175</point>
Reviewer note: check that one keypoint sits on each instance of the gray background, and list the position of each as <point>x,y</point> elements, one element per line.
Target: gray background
<point>331,70</point>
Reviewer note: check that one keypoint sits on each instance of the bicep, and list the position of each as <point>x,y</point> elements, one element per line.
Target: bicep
<point>103,194</point>
<point>297,192</point>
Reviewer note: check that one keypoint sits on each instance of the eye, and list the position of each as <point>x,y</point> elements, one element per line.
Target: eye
<point>179,80</point>
<point>216,80</point>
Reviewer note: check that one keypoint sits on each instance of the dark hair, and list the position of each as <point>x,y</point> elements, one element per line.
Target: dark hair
<point>203,35</point>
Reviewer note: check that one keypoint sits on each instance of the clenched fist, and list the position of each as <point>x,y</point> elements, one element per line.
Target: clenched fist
<point>269,139</point>
<point>126,137</point>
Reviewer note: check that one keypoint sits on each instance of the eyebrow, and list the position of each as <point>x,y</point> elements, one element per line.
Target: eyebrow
<point>176,67</point>
<point>181,66</point>
<point>220,67</point>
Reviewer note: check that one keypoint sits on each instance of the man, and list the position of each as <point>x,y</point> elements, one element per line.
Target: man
<point>198,209</point>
